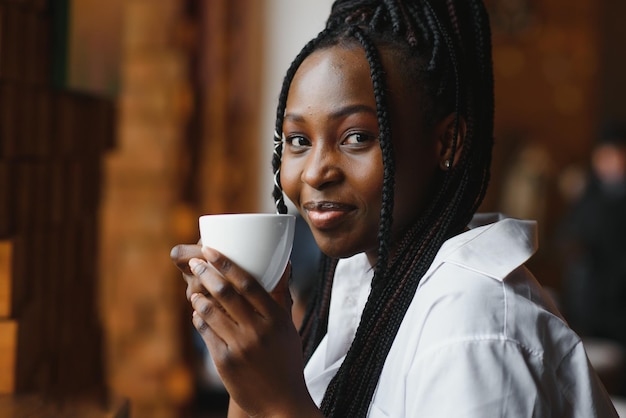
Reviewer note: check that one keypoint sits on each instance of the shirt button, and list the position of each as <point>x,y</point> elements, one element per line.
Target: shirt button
<point>350,301</point>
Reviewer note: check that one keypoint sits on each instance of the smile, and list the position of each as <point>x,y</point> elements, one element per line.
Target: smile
<point>326,215</point>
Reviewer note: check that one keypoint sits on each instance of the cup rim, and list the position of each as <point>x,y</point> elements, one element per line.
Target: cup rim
<point>249,215</point>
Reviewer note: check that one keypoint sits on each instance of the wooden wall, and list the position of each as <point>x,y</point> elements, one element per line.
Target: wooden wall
<point>141,295</point>
<point>52,141</point>
<point>186,146</point>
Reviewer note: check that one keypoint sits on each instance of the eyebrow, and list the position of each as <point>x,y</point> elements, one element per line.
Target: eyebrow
<point>337,114</point>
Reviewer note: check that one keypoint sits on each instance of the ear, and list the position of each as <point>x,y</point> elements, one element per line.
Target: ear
<point>448,141</point>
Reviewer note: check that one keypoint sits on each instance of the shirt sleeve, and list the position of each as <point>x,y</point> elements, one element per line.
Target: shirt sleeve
<point>583,393</point>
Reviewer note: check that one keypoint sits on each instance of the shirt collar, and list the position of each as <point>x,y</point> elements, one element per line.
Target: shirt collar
<point>494,246</point>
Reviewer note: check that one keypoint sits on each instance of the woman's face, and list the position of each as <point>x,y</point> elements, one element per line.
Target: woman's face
<point>332,167</point>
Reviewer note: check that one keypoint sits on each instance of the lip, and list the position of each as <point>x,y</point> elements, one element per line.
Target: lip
<point>326,215</point>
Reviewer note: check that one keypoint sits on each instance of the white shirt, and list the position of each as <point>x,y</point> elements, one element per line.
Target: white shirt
<point>480,338</point>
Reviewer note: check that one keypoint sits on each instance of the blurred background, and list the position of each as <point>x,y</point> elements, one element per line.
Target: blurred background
<point>123,121</point>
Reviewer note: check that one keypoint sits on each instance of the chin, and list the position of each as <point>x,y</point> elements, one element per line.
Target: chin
<point>336,251</point>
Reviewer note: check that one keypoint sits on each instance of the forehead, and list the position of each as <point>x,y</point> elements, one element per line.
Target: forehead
<point>330,75</point>
<point>342,72</point>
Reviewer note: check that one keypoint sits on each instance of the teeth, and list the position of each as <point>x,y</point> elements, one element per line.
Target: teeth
<point>329,206</point>
<point>323,206</point>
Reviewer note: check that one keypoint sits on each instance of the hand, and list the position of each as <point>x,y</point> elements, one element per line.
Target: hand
<point>250,335</point>
<point>181,254</point>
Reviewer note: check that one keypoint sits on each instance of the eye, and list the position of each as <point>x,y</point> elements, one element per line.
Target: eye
<point>357,138</point>
<point>297,142</point>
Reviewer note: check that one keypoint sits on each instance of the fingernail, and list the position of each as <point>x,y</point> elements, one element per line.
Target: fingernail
<point>194,296</point>
<point>197,266</point>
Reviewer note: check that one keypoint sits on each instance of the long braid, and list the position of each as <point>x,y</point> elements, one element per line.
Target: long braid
<point>449,41</point>
<point>315,321</point>
<point>378,81</point>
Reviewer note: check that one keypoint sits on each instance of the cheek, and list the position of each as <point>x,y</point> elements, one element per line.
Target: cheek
<point>290,179</point>
<point>370,179</point>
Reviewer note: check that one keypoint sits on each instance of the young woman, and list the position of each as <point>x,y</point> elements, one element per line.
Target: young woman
<point>383,142</point>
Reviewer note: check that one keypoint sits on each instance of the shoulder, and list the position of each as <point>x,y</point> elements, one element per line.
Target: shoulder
<point>478,291</point>
<point>463,306</point>
<point>481,337</point>
<point>495,347</point>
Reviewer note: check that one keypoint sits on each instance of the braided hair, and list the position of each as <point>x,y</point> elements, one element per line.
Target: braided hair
<point>446,45</point>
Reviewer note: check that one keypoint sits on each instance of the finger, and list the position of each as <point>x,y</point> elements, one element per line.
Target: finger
<point>181,254</point>
<point>210,337</point>
<point>214,315</point>
<point>242,282</point>
<point>194,285</point>
<point>223,291</point>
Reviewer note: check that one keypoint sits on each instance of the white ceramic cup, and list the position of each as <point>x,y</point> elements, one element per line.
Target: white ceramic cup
<point>259,243</point>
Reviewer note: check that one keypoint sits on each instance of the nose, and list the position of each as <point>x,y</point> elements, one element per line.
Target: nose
<point>323,166</point>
